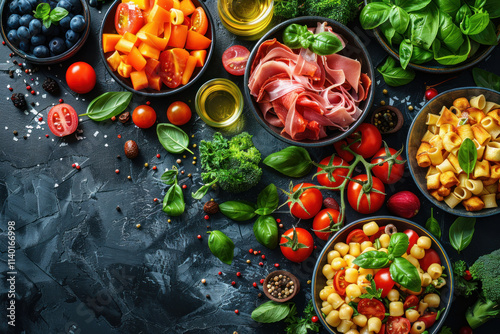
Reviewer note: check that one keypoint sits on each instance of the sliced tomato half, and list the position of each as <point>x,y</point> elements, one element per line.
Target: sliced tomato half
<point>62,120</point>
<point>235,59</point>
<point>173,63</point>
<point>357,236</point>
<point>371,308</point>
<point>340,282</point>
<point>398,325</point>
<point>199,21</point>
<point>128,18</point>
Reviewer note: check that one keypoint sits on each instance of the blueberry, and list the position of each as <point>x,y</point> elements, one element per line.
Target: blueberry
<point>72,36</point>
<point>41,51</point>
<point>77,23</point>
<point>65,4</point>
<point>57,46</point>
<point>13,22</point>
<point>69,45</point>
<point>35,27</point>
<point>24,7</point>
<point>13,38</point>
<point>25,20</point>
<point>25,46</point>
<point>48,31</point>
<point>76,6</point>
<point>64,23</point>
<point>38,40</point>
<point>33,3</point>
<point>23,33</point>
<point>14,7</point>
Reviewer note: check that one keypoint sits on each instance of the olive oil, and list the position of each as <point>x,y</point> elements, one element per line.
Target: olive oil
<point>220,105</point>
<point>247,18</point>
<point>245,10</point>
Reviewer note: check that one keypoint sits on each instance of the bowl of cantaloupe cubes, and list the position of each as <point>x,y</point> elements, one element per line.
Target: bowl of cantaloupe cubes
<point>157,47</point>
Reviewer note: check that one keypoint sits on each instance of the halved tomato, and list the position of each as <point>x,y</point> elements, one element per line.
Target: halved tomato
<point>357,236</point>
<point>128,18</point>
<point>62,120</point>
<point>384,281</point>
<point>381,230</point>
<point>412,238</point>
<point>429,319</point>
<point>235,59</point>
<point>430,257</point>
<point>371,308</point>
<point>398,325</point>
<point>199,21</point>
<point>410,301</point>
<point>339,282</point>
<point>173,63</point>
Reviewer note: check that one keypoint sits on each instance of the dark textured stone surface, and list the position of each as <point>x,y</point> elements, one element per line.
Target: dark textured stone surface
<point>83,266</point>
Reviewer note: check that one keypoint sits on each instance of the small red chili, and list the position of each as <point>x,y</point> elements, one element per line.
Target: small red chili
<point>184,186</point>
<point>254,284</point>
<point>158,156</point>
<point>467,275</point>
<point>250,251</point>
<point>314,318</point>
<point>259,252</point>
<point>207,217</point>
<point>238,274</point>
<point>117,171</point>
<point>199,237</point>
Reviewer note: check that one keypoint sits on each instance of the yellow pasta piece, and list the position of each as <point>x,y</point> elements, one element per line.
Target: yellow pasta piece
<point>473,204</point>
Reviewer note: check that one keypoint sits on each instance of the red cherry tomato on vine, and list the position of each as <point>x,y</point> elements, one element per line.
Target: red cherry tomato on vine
<point>430,93</point>
<point>383,280</point>
<point>62,120</point>
<point>346,155</point>
<point>397,325</point>
<point>311,199</point>
<point>80,77</point>
<point>412,237</point>
<point>235,59</point>
<point>430,257</point>
<point>338,174</point>
<point>144,116</point>
<point>322,221</point>
<point>382,172</point>
<point>303,237</point>
<point>179,113</point>
<point>354,189</point>
<point>371,140</point>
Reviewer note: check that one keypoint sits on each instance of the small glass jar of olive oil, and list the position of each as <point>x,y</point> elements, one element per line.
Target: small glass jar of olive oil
<point>219,102</point>
<point>246,18</point>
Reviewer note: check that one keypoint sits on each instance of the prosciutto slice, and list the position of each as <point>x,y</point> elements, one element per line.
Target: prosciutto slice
<point>304,93</point>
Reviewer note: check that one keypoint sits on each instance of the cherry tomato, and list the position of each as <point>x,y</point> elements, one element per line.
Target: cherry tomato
<point>235,59</point>
<point>314,318</point>
<point>429,319</point>
<point>381,230</point>
<point>80,77</point>
<point>467,275</point>
<point>199,21</point>
<point>398,325</point>
<point>303,237</point>
<point>338,174</point>
<point>322,221</point>
<point>383,280</point>
<point>62,120</point>
<point>346,155</point>
<point>371,140</point>
<point>173,63</point>
<point>311,199</point>
<point>128,18</point>
<point>430,93</point>
<point>465,330</point>
<point>371,308</point>
<point>412,237</point>
<point>179,113</point>
<point>410,301</point>
<point>382,172</point>
<point>357,236</point>
<point>339,282</point>
<point>430,257</point>
<point>144,116</point>
<point>376,199</point>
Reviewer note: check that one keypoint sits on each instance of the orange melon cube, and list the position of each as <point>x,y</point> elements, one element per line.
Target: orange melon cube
<point>124,59</point>
<point>165,4</point>
<point>136,59</point>
<point>158,14</point>
<point>150,27</point>
<point>114,60</point>
<point>109,41</point>
<point>139,80</point>
<point>187,7</point>
<point>154,82</point>
<point>149,51</point>
<point>188,71</point>
<point>178,36</point>
<point>200,56</point>
<point>124,45</point>
<point>142,4</point>
<point>124,70</point>
<point>196,41</point>
<point>152,67</point>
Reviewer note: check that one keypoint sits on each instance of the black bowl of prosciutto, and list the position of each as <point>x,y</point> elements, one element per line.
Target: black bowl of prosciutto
<point>302,96</point>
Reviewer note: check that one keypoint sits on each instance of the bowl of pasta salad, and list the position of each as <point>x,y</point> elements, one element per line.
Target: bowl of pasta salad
<point>383,275</point>
<point>453,149</point>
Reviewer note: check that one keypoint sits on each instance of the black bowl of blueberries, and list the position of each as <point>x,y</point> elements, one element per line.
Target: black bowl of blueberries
<point>45,31</point>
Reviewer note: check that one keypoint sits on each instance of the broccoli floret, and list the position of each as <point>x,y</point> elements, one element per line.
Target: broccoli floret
<point>343,11</point>
<point>487,270</point>
<point>286,9</point>
<point>482,311</point>
<point>462,286</point>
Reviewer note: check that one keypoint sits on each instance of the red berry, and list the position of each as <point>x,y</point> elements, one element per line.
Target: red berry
<point>11,89</point>
<point>261,281</point>
<point>73,165</point>
<point>250,251</point>
<point>238,274</point>
<point>207,217</point>
<point>40,119</point>
<point>278,220</point>
<point>254,284</point>
<point>220,272</point>
<point>233,283</point>
<point>261,264</point>
<point>117,171</point>
<point>78,167</point>
<point>314,318</point>
<point>263,257</point>
<point>61,100</point>
<point>28,87</point>
<point>255,252</point>
<point>154,167</point>
<point>236,311</point>
<point>155,199</point>
<point>3,42</point>
<point>431,93</point>
<point>467,275</point>
<point>465,330</point>
<point>184,186</point>
<point>276,265</point>
<point>33,92</point>
<point>315,246</point>
<point>47,135</point>
<point>119,136</point>
<point>199,237</point>
<point>259,252</point>
<point>158,156</point>
<point>148,103</point>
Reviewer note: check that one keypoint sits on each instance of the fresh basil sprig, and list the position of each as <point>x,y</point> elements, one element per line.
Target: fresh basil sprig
<point>292,161</point>
<point>461,232</point>
<point>48,16</point>
<point>406,274</point>
<point>467,156</point>
<point>273,312</point>
<point>108,105</point>
<point>265,230</point>
<point>238,210</point>
<point>172,138</point>
<point>221,246</point>
<point>268,200</point>
<point>398,244</point>
<point>372,260</point>
<point>395,75</point>
<point>433,226</point>
<point>173,202</point>
<point>486,79</point>
<point>325,43</point>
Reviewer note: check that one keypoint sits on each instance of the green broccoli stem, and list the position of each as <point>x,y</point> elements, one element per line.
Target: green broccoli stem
<point>481,312</point>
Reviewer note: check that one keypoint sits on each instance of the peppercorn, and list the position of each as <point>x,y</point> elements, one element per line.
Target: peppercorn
<point>410,108</point>
<point>280,225</point>
<point>158,155</point>
<point>203,281</point>
<point>113,118</point>
<point>385,91</point>
<point>259,295</point>
<point>124,117</point>
<point>248,261</point>
<point>138,225</point>
<point>207,217</point>
<point>211,207</point>
<point>238,274</point>
<point>207,296</point>
<point>280,286</point>
<point>382,103</point>
<point>199,237</point>
<point>15,133</point>
<point>118,208</point>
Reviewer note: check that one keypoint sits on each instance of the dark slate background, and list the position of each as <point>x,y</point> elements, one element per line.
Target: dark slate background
<point>83,267</point>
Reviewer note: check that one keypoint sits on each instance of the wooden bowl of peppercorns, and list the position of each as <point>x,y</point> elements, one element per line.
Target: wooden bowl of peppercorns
<point>281,286</point>
<point>387,119</point>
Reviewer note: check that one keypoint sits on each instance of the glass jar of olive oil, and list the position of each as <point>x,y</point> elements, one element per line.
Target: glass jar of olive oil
<point>246,18</point>
<point>219,102</point>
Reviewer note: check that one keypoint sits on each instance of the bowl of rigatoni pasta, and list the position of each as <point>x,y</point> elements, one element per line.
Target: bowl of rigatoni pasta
<point>453,149</point>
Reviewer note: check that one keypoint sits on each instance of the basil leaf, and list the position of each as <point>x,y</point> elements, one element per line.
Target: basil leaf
<point>412,5</point>
<point>398,244</point>
<point>221,246</point>
<point>450,7</point>
<point>420,56</point>
<point>42,11</point>
<point>291,35</point>
<point>272,312</point>
<point>405,52</point>
<point>372,260</point>
<point>486,79</point>
<point>449,33</point>
<point>108,105</point>
<point>292,161</point>
<point>424,26</point>
<point>172,138</point>
<point>265,230</point>
<point>488,36</point>
<point>325,43</point>
<point>406,274</point>
<point>57,14</point>
<point>462,13</point>
<point>169,177</point>
<point>46,22</point>
<point>475,24</point>
<point>268,199</point>
<point>433,226</point>
<point>492,7</point>
<point>388,31</point>
<point>374,14</point>
<point>238,210</point>
<point>467,156</point>
<point>395,75</point>
<point>173,202</point>
<point>461,232</point>
<point>399,19</point>
<point>203,190</point>
<point>444,56</point>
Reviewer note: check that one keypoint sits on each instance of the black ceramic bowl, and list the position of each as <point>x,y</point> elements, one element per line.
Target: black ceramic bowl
<point>417,131</point>
<point>433,66</point>
<point>354,49</point>
<point>319,280</point>
<point>108,27</point>
<point>49,60</point>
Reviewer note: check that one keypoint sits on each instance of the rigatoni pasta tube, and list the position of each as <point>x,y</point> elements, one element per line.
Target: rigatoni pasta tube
<point>495,171</point>
<point>423,159</point>
<point>462,193</point>
<point>490,201</point>
<point>437,142</point>
<point>473,204</point>
<point>452,200</point>
<point>465,131</point>
<point>447,117</point>
<point>427,136</point>
<point>478,102</point>
<point>433,181</point>
<point>436,156</point>
<point>474,186</point>
<point>475,115</point>
<point>480,149</point>
<point>432,119</point>
<point>492,152</point>
<point>454,162</point>
<point>490,125</point>
<point>482,169</point>
<point>480,134</point>
<point>444,129</point>
<point>451,141</point>
<point>446,166</point>
<point>495,114</point>
<point>490,106</point>
<point>431,171</point>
